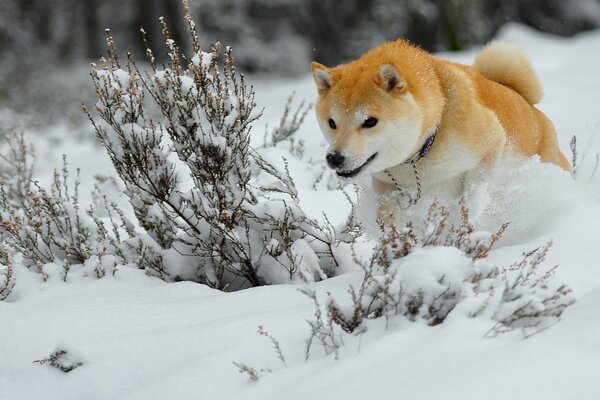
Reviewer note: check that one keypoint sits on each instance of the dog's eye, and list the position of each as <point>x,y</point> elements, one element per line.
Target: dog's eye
<point>332,124</point>
<point>369,122</point>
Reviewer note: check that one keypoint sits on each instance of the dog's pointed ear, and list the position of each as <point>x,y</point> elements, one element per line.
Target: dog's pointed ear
<point>390,78</point>
<point>322,76</point>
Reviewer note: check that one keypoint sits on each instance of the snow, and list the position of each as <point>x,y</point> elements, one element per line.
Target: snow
<point>138,337</point>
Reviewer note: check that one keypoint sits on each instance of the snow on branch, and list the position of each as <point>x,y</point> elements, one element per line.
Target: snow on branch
<point>203,205</point>
<point>427,275</point>
<point>48,225</point>
<point>226,230</point>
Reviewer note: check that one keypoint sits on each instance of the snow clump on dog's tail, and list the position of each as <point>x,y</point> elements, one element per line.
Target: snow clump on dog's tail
<point>508,65</point>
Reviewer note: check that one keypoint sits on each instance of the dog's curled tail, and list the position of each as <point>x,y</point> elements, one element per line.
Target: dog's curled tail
<point>508,65</point>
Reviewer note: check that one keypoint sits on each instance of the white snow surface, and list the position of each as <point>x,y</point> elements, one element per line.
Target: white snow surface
<point>140,338</point>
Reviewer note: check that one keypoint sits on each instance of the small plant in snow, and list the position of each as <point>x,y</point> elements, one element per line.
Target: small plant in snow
<point>463,236</point>
<point>7,280</point>
<point>49,226</point>
<point>321,328</point>
<point>225,228</point>
<point>252,373</point>
<point>386,289</point>
<point>426,275</point>
<point>289,124</point>
<point>574,154</point>
<point>263,332</point>
<point>61,359</point>
<point>16,167</point>
<point>526,297</point>
<point>577,160</point>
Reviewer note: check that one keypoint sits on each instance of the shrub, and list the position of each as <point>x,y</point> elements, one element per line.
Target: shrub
<point>48,225</point>
<point>226,228</point>
<point>426,275</point>
<point>525,297</point>
<point>61,359</point>
<point>235,223</point>
<point>7,280</point>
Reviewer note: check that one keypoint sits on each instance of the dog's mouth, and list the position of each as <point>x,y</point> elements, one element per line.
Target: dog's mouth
<point>354,172</point>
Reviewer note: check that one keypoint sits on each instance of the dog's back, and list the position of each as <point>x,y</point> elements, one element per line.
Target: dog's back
<point>511,83</point>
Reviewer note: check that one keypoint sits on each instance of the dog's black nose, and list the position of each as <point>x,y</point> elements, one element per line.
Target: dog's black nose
<point>335,159</point>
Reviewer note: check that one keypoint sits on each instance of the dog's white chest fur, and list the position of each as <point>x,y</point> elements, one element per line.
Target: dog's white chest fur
<point>439,172</point>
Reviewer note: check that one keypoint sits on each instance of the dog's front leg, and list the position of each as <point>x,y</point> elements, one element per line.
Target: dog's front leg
<point>385,209</point>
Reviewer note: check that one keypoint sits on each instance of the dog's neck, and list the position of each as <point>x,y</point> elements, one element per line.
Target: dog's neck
<point>422,153</point>
<point>404,172</point>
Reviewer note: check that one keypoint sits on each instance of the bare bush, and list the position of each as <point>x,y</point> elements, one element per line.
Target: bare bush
<point>235,222</point>
<point>227,229</point>
<point>289,123</point>
<point>426,275</point>
<point>527,299</point>
<point>16,167</point>
<point>48,225</point>
<point>382,292</point>
<point>322,328</point>
<point>252,373</point>
<point>7,280</point>
<point>62,360</point>
<point>276,346</point>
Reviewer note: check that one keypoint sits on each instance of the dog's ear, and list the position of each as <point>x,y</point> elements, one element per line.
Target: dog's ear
<point>322,75</point>
<point>390,79</point>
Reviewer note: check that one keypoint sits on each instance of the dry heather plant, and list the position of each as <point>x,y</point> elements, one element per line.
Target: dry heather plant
<point>263,332</point>
<point>207,207</point>
<point>61,359</point>
<point>578,159</point>
<point>7,280</point>
<point>288,125</point>
<point>527,299</point>
<point>224,228</point>
<point>253,373</point>
<point>48,225</point>
<point>521,296</point>
<point>321,328</point>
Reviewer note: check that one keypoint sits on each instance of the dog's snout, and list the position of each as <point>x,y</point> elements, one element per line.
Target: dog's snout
<point>335,159</point>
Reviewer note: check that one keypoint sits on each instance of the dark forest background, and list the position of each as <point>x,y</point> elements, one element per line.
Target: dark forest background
<point>269,36</point>
<point>274,35</point>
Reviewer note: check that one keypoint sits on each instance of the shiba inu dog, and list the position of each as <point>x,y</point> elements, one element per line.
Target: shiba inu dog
<point>398,110</point>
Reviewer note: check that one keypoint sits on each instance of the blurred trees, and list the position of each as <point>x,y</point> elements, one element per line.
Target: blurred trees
<point>271,35</point>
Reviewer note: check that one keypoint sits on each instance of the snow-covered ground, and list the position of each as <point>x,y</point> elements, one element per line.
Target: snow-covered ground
<point>141,338</point>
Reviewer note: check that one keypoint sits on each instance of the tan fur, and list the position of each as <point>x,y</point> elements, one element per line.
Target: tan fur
<point>508,65</point>
<point>478,112</point>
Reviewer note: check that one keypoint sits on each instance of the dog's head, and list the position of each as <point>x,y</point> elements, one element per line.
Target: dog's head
<point>370,116</point>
